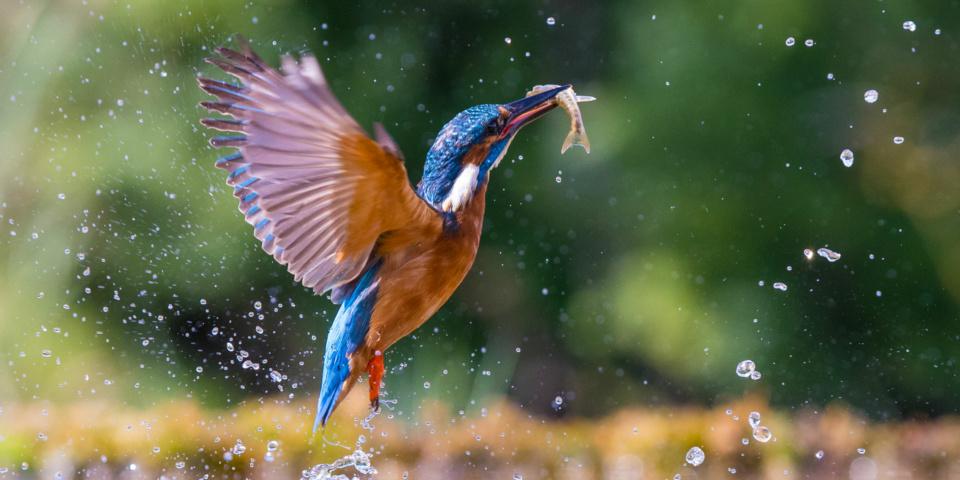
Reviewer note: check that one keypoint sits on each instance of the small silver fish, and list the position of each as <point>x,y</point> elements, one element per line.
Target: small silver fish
<point>568,100</point>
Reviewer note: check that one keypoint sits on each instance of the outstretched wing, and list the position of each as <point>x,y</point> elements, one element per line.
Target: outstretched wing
<point>317,190</point>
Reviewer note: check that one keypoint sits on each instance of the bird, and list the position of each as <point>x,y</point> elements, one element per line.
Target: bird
<point>337,208</point>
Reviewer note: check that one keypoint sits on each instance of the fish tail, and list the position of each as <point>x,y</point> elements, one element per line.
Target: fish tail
<point>575,138</point>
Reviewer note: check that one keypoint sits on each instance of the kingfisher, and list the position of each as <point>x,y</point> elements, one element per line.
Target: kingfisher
<point>336,207</point>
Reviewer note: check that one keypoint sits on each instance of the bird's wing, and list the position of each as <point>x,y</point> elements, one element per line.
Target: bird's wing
<point>317,190</point>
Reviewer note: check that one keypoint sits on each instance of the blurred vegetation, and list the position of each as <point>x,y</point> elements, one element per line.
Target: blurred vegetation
<point>272,440</point>
<point>636,276</point>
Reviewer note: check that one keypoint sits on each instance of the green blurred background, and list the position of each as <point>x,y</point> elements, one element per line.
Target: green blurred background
<point>638,275</point>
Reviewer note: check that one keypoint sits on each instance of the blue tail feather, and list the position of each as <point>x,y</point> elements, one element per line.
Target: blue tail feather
<point>346,335</point>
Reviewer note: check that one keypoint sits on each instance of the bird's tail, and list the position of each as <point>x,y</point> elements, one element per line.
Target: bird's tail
<point>346,335</point>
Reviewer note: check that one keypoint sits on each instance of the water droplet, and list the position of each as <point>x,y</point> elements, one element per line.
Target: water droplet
<point>180,465</point>
<point>762,434</point>
<point>517,476</point>
<point>898,140</point>
<point>871,96</point>
<point>830,255</point>
<point>199,369</point>
<point>745,368</point>
<point>551,21</point>
<point>846,156</point>
<point>695,456</point>
<point>558,401</point>
<point>790,41</point>
<point>862,451</point>
<point>756,375</point>
<point>754,419</point>
<point>808,253</point>
<point>507,40</point>
<point>273,445</point>
<point>426,385</point>
<point>239,448</point>
<point>808,42</point>
<point>910,26</point>
<point>819,455</point>
<point>46,353</point>
<point>780,286</point>
<point>276,376</point>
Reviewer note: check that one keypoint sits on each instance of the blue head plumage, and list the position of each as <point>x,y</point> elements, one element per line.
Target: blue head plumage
<point>474,141</point>
<point>456,138</point>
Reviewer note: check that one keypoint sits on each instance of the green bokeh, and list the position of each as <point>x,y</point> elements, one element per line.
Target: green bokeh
<point>633,280</point>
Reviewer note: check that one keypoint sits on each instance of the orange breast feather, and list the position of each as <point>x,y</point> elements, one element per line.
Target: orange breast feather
<point>418,280</point>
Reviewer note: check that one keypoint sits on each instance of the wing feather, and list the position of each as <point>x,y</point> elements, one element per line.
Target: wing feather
<point>318,191</point>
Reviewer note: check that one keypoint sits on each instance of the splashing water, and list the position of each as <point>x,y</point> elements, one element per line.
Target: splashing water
<point>830,255</point>
<point>846,156</point>
<point>358,459</point>
<point>754,419</point>
<point>695,456</point>
<point>762,434</point>
<point>745,368</point>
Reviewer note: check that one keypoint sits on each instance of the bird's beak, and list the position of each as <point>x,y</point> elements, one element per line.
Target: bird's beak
<point>528,109</point>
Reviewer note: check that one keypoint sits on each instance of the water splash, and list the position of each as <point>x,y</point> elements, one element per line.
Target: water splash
<point>695,456</point>
<point>830,255</point>
<point>358,459</point>
<point>745,368</point>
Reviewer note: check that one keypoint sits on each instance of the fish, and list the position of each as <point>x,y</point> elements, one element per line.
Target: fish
<point>568,100</point>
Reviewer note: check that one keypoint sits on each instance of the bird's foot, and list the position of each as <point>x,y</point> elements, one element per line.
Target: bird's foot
<point>375,369</point>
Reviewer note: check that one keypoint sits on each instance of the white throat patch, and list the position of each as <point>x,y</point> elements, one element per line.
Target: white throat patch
<point>462,190</point>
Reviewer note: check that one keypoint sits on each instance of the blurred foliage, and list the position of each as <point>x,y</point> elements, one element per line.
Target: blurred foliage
<point>271,440</point>
<point>637,275</point>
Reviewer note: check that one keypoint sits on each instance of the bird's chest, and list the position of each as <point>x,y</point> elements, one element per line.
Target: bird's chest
<point>449,259</point>
<point>417,281</point>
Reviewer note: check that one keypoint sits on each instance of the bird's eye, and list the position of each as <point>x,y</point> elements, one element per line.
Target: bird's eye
<point>496,125</point>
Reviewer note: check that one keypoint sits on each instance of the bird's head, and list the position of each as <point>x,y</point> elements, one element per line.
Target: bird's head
<point>472,144</point>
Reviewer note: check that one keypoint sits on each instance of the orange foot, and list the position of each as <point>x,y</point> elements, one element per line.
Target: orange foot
<point>375,369</point>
